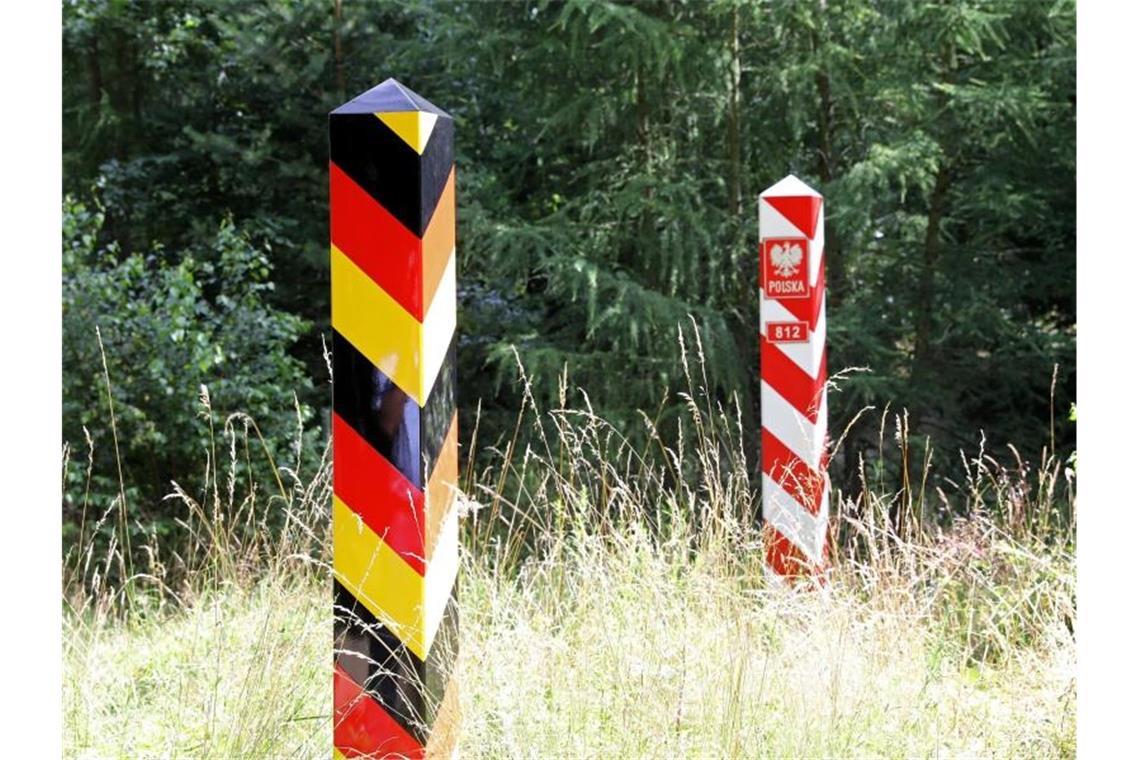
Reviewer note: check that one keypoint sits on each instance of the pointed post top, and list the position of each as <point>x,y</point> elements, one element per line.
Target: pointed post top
<point>390,97</point>
<point>795,201</point>
<point>790,186</point>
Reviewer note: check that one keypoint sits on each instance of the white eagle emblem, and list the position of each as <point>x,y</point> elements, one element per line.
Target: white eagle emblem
<point>786,259</point>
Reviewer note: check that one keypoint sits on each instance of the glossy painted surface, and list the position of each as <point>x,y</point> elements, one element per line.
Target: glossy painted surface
<point>410,604</point>
<point>410,688</point>
<point>405,183</point>
<point>363,728</point>
<point>410,520</point>
<point>395,431</point>
<point>409,268</point>
<point>410,437</point>
<point>407,351</point>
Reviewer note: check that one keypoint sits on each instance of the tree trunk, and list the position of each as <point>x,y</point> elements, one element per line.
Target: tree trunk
<point>646,226</point>
<point>735,191</point>
<point>825,165</point>
<point>94,73</point>
<point>931,250</point>
<point>338,52</point>
<point>125,71</point>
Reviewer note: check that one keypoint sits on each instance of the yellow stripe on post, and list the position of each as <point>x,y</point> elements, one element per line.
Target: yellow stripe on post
<point>408,352</point>
<point>408,604</point>
<point>394,347</point>
<point>360,308</point>
<point>413,127</point>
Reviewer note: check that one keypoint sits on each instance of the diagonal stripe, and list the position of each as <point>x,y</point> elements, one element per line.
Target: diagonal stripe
<point>372,572</point>
<point>359,307</point>
<point>804,437</point>
<point>439,581</point>
<point>388,502</point>
<point>410,689</point>
<point>445,732</point>
<point>815,255</point>
<point>409,269</point>
<point>785,514</point>
<point>806,393</point>
<point>793,474</point>
<point>441,489</point>
<point>808,355</point>
<point>409,353</point>
<point>387,251</point>
<point>409,605</point>
<point>439,241</point>
<point>409,437</point>
<point>439,326</point>
<point>436,165</point>
<point>785,559</point>
<point>362,728</point>
<point>801,210</point>
<point>772,556</point>
<point>437,414</point>
<point>408,185</point>
<point>775,222</point>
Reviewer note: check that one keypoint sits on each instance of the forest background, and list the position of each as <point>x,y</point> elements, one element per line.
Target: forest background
<point>609,158</point>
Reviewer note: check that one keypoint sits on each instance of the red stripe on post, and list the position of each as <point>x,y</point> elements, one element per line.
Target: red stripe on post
<point>800,480</point>
<point>372,488</point>
<point>387,251</point>
<point>785,558</point>
<point>362,728</point>
<point>801,210</point>
<point>785,376</point>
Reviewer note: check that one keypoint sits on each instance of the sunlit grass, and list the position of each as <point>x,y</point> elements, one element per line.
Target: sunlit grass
<point>612,603</point>
<point>614,645</point>
<point>241,673</point>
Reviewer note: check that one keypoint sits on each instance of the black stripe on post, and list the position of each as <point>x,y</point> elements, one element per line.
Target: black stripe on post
<point>435,418</point>
<point>382,414</point>
<point>403,182</point>
<point>410,690</point>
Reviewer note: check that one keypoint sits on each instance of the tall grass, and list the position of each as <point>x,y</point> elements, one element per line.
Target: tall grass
<point>613,601</point>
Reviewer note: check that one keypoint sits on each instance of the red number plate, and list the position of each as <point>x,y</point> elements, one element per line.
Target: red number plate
<point>787,332</point>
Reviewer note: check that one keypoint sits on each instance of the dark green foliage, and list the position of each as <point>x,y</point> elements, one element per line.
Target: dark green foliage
<point>177,332</point>
<point>610,155</point>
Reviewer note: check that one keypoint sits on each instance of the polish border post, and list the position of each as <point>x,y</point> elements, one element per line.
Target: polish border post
<point>793,379</point>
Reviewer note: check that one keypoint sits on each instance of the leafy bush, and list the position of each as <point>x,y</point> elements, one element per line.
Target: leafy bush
<point>162,336</point>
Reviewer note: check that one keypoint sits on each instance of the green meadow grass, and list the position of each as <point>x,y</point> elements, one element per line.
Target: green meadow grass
<point>614,645</point>
<point>607,610</point>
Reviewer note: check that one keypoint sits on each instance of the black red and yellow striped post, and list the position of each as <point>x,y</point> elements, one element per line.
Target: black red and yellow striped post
<point>395,438</point>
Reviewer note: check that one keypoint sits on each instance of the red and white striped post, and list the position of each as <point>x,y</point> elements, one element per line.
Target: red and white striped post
<point>793,378</point>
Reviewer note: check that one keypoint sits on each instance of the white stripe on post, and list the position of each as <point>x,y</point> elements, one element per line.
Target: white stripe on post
<point>793,336</point>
